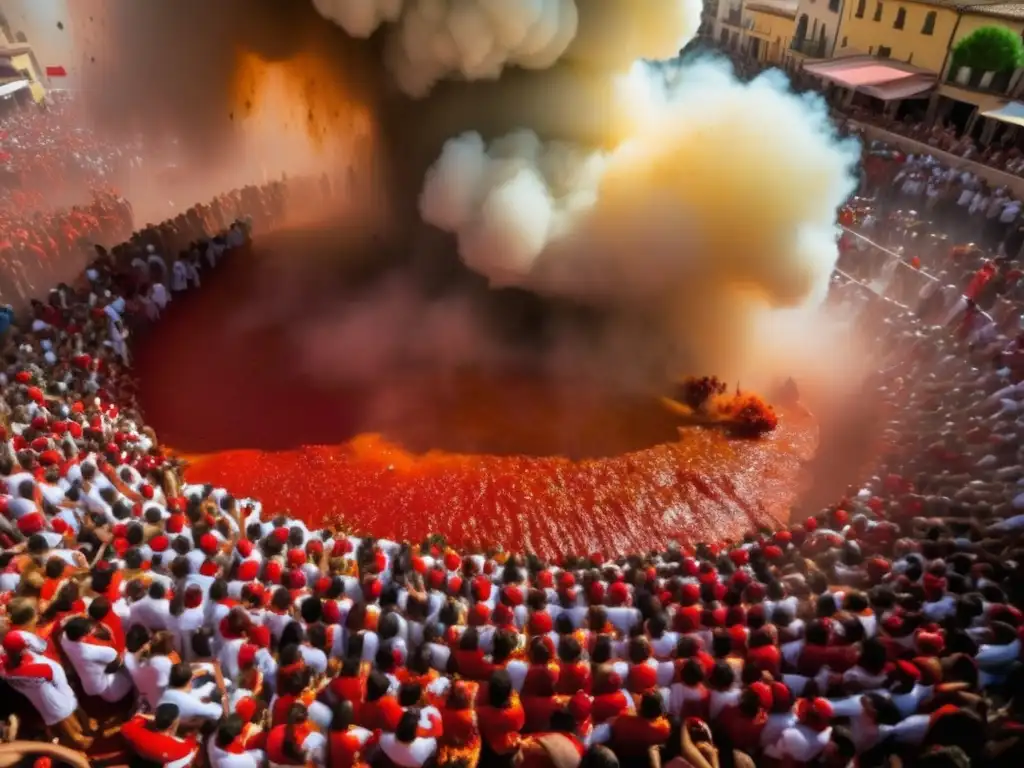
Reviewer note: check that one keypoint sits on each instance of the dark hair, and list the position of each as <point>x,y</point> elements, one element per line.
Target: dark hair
<point>230,729</point>
<point>164,717</point>
<point>77,628</point>
<point>180,675</point>
<point>407,726</point>
<point>377,685</point>
<point>343,716</point>
<point>499,689</point>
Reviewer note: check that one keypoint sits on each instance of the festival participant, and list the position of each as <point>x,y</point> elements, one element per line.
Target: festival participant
<point>227,747</point>
<point>42,681</point>
<point>347,744</point>
<point>633,735</point>
<point>99,666</point>
<point>295,741</point>
<point>193,703</point>
<point>405,747</point>
<point>155,741</point>
<point>501,719</point>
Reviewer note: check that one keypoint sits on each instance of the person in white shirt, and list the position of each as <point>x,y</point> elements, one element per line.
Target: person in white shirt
<point>97,665</point>
<point>194,703</point>
<point>149,663</point>
<point>44,683</point>
<point>154,610</point>
<point>179,276</point>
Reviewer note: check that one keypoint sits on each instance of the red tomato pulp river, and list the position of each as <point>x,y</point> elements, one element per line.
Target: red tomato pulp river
<point>478,457</point>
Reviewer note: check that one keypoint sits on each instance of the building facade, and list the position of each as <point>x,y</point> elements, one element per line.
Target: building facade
<point>769,32</point>
<point>817,28</point>
<point>917,33</point>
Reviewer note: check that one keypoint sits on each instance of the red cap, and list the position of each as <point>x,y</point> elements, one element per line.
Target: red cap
<point>31,523</point>
<point>296,558</point>
<point>248,570</point>
<point>159,543</point>
<point>246,707</point>
<point>764,694</point>
<point>247,654</point>
<point>208,543</point>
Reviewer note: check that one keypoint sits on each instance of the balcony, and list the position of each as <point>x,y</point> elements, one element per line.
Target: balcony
<point>998,83</point>
<point>734,17</point>
<point>814,49</point>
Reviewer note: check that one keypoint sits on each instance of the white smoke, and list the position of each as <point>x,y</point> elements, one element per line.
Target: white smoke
<point>717,201</point>
<point>434,40</point>
<point>360,18</point>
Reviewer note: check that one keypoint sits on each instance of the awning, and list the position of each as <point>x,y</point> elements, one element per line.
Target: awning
<point>8,88</point>
<point>881,78</point>
<point>900,89</point>
<point>1012,112</point>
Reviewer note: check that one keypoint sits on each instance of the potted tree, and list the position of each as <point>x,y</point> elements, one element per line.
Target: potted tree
<point>987,58</point>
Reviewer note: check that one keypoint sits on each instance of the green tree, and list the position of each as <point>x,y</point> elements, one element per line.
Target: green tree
<point>989,49</point>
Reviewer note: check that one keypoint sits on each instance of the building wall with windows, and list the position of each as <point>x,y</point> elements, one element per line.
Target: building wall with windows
<point>918,33</point>
<point>769,32</point>
<point>817,25</point>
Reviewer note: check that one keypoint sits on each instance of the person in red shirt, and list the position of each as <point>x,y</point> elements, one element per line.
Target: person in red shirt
<point>380,710</point>
<point>470,661</point>
<point>557,747</point>
<point>539,686</point>
<point>347,743</point>
<point>350,684</point>
<point>573,672</point>
<point>763,654</point>
<point>744,722</point>
<point>610,700</point>
<point>634,735</point>
<point>155,739</point>
<point>291,742</point>
<point>460,739</point>
<point>501,721</point>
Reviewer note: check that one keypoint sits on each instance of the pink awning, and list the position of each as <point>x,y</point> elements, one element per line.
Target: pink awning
<point>900,89</point>
<point>880,78</point>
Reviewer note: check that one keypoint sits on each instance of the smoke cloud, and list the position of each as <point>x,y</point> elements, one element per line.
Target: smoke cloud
<point>685,205</point>
<point>716,204</point>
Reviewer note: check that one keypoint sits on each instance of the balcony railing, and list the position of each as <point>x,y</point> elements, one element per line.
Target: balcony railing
<point>814,48</point>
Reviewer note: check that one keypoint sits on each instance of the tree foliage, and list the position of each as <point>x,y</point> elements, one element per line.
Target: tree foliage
<point>989,49</point>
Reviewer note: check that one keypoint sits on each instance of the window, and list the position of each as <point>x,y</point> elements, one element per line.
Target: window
<point>843,44</point>
<point>901,18</point>
<point>878,11</point>
<point>833,6</point>
<point>884,52</point>
<point>929,23</point>
<point>861,5</point>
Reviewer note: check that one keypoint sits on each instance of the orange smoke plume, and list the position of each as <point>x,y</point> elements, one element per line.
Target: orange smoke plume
<point>298,101</point>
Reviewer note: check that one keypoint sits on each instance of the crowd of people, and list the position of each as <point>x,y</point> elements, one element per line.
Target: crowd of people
<point>57,196</point>
<point>174,624</point>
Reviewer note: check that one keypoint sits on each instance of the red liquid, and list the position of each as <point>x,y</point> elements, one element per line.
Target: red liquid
<point>474,456</point>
